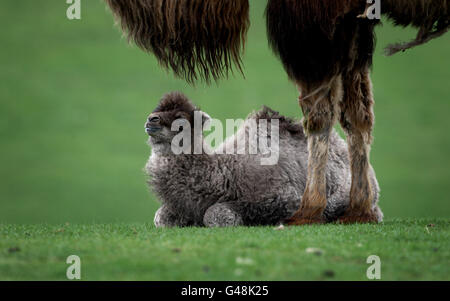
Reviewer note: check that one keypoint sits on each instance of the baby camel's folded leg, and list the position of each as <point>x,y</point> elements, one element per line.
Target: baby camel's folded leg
<point>164,217</point>
<point>222,215</point>
<point>270,211</point>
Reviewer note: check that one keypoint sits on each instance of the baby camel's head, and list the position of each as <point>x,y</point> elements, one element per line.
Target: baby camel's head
<point>172,106</point>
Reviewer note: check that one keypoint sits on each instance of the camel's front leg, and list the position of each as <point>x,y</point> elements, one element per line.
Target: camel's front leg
<point>314,198</point>
<point>357,120</point>
<point>320,115</point>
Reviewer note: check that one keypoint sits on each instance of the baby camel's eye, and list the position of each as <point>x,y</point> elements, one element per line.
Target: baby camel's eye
<point>155,119</point>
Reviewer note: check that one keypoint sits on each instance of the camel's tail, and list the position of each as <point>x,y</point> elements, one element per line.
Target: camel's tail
<point>432,17</point>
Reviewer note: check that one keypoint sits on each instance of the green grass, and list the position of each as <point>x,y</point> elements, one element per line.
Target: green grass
<point>74,97</point>
<point>408,249</point>
<point>73,100</point>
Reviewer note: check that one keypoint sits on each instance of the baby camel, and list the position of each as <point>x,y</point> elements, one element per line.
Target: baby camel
<point>218,189</point>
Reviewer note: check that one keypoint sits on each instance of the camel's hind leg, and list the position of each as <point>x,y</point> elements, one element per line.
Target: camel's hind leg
<point>320,110</point>
<point>357,120</point>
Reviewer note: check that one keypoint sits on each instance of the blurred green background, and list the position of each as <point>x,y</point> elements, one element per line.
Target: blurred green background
<point>74,97</point>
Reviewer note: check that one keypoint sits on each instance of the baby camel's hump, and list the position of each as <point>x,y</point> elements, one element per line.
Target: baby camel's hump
<point>271,156</point>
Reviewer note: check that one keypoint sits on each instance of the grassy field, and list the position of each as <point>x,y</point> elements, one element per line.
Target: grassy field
<point>408,249</point>
<point>73,100</point>
<point>74,97</point>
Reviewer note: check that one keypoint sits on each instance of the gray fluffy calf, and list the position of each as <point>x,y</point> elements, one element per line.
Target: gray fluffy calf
<point>236,190</point>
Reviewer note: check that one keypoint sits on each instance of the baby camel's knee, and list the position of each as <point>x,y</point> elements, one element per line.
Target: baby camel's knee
<point>165,218</point>
<point>221,215</point>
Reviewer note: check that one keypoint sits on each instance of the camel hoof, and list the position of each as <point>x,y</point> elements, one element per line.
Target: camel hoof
<point>362,218</point>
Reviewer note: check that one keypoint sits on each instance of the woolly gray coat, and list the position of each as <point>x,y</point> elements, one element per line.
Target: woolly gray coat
<point>236,190</point>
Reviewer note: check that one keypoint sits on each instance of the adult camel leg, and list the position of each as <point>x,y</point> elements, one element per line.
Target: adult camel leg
<point>357,120</point>
<point>320,113</point>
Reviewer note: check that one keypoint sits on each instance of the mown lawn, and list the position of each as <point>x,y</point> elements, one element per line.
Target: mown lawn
<point>74,97</point>
<point>409,250</point>
<point>73,100</point>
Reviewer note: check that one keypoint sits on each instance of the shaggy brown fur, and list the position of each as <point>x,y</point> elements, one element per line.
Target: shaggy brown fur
<point>419,13</point>
<point>321,112</point>
<point>194,38</point>
<point>326,47</point>
<point>313,39</point>
<point>357,120</point>
<point>202,39</point>
<point>329,58</point>
<point>171,105</point>
<point>430,16</point>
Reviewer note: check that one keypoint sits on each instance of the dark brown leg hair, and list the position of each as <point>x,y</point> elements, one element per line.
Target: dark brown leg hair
<point>357,120</point>
<point>320,111</point>
<point>197,39</point>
